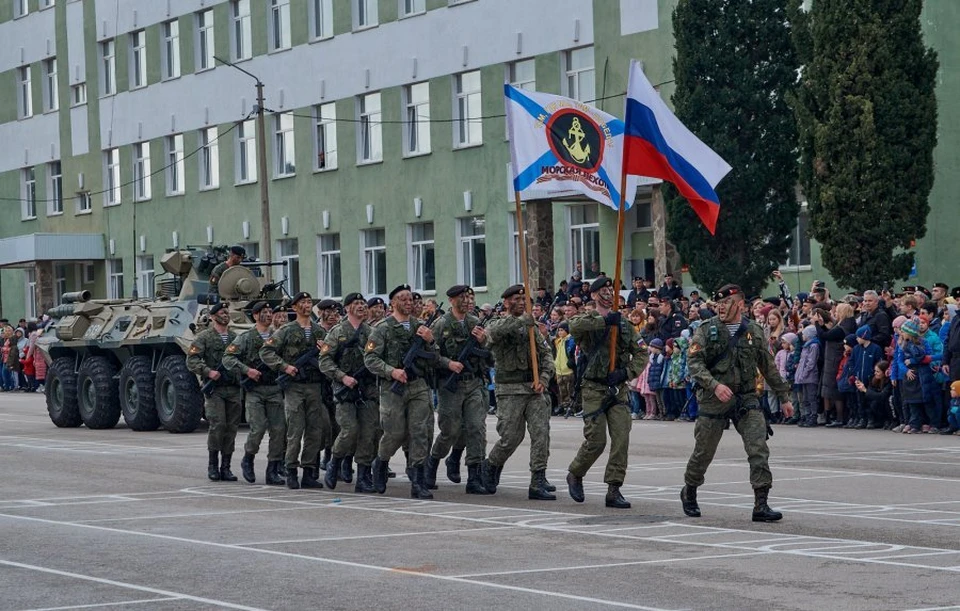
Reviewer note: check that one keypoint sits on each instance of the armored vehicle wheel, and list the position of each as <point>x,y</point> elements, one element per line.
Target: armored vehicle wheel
<point>178,399</point>
<point>97,393</point>
<point>137,395</point>
<point>61,391</point>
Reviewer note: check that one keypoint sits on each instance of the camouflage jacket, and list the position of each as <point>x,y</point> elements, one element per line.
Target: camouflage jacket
<point>342,354</point>
<point>217,272</point>
<point>388,344</point>
<point>206,353</point>
<point>509,340</point>
<point>289,342</point>
<point>590,332</point>
<point>244,353</point>
<point>452,335</point>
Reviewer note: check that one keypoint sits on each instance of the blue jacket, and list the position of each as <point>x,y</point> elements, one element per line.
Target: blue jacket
<point>655,373</point>
<point>897,367</point>
<point>846,373</point>
<point>864,359</point>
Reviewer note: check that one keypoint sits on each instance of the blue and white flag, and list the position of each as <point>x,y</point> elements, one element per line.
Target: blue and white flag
<point>559,145</point>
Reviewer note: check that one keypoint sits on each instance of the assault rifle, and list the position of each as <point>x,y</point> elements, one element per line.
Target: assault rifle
<point>471,348</point>
<point>413,353</point>
<point>208,387</point>
<point>247,384</point>
<point>304,359</point>
<point>345,394</point>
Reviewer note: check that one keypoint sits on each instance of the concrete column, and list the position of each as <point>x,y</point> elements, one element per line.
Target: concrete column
<point>658,216</point>
<point>539,226</point>
<point>45,286</point>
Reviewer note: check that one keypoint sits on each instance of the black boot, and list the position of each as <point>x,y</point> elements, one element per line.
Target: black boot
<point>293,483</point>
<point>474,481</point>
<point>364,480</point>
<point>418,486</point>
<point>575,487</point>
<point>430,472</point>
<point>688,497</point>
<point>346,469</point>
<point>490,476</point>
<point>226,475</point>
<point>762,511</point>
<point>325,460</point>
<point>246,468</point>
<point>379,468</point>
<point>615,499</point>
<point>273,473</point>
<point>213,467</point>
<point>332,473</point>
<point>311,478</point>
<point>453,465</point>
<point>547,485</point>
<point>538,490</point>
<point>390,472</point>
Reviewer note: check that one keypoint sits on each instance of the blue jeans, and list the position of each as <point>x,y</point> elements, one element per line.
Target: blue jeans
<point>635,402</point>
<point>8,378</point>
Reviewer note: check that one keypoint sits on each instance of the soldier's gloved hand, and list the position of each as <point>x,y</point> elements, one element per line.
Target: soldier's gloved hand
<point>612,319</point>
<point>617,376</point>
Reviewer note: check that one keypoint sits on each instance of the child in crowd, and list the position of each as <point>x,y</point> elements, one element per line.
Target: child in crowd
<point>671,409</point>
<point>897,372</point>
<point>911,392</point>
<point>655,376</point>
<point>787,343</point>
<point>647,394</point>
<point>808,376</point>
<point>929,374</point>
<point>678,378</point>
<point>953,416</point>
<point>866,355</point>
<point>845,386</point>
<point>563,349</point>
<point>875,396</point>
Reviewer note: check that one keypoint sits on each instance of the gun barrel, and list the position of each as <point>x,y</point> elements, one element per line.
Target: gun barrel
<point>60,311</point>
<point>75,297</point>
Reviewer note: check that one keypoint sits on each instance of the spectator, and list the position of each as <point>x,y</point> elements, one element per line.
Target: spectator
<point>670,289</point>
<point>866,355</point>
<point>670,322</point>
<point>564,349</point>
<point>908,306</point>
<point>34,354</point>
<point>953,418</point>
<point>563,292</point>
<point>875,316</point>
<point>951,352</point>
<point>648,395</point>
<point>932,393</point>
<point>808,377</point>
<point>875,396</point>
<point>11,362</point>
<point>845,384</point>
<point>914,354</point>
<point>897,375</point>
<point>831,337</point>
<point>638,293</point>
<point>658,362</point>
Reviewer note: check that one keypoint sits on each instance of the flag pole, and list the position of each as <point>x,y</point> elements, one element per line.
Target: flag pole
<point>522,238</point>
<point>616,275</point>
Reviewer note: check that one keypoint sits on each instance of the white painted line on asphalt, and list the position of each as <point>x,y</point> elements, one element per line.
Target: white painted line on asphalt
<point>122,584</point>
<point>936,608</point>
<point>121,603</point>
<point>199,514</point>
<point>383,536</point>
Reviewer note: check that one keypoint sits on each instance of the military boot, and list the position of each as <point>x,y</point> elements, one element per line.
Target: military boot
<point>575,487</point>
<point>688,498</point>
<point>273,473</point>
<point>762,511</point>
<point>226,475</point>
<point>364,480</point>
<point>547,485</point>
<point>293,483</point>
<point>332,473</point>
<point>418,485</point>
<point>453,465</point>
<point>346,469</point>
<point>538,490</point>
<point>213,467</point>
<point>390,472</point>
<point>325,460</point>
<point>615,499</point>
<point>311,478</point>
<point>474,481</point>
<point>379,468</point>
<point>430,472</point>
<point>490,475</point>
<point>246,468</point>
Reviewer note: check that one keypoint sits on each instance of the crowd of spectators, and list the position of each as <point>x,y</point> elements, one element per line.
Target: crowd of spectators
<point>23,367</point>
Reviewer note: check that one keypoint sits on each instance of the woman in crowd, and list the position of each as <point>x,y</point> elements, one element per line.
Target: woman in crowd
<point>831,337</point>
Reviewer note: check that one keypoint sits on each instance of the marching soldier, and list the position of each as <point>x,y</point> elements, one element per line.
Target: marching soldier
<point>604,392</point>
<point>237,253</point>
<point>279,318</point>
<point>328,315</point>
<point>725,354</point>
<point>520,398</point>
<point>222,406</point>
<point>376,310</point>
<point>264,402</point>
<point>292,352</point>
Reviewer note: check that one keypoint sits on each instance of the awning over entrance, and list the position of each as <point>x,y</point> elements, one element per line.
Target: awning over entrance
<point>35,247</point>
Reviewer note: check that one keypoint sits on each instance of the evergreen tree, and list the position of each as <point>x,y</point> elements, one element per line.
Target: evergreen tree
<point>867,114</point>
<point>735,66</point>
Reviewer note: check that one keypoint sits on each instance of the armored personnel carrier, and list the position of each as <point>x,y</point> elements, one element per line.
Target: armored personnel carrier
<point>122,357</point>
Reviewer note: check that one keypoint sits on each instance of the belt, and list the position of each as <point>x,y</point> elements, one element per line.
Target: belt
<point>514,377</point>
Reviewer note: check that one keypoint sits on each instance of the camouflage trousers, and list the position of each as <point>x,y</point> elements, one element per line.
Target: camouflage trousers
<point>462,418</point>
<point>514,412</point>
<point>617,421</point>
<point>330,435</point>
<point>707,432</point>
<point>358,430</point>
<point>264,405</point>
<point>406,418</point>
<point>222,410</point>
<point>306,422</point>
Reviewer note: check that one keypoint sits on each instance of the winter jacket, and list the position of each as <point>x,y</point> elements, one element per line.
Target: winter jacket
<point>845,374</point>
<point>916,358</point>
<point>864,359</point>
<point>655,371</point>
<point>781,360</point>
<point>807,372</point>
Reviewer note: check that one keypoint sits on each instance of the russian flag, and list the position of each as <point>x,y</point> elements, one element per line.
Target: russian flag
<point>658,145</point>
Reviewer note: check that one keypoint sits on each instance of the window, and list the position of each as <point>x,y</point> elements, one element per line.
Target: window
<point>522,74</point>
<point>205,44</point>
<point>24,93</point>
<point>283,151</point>
<point>580,81</point>
<point>364,13</point>
<point>247,152</point>
<point>145,275</point>
<point>141,171</point>
<point>78,94</point>
<point>174,156</point>
<point>209,159</point>
<point>373,262</point>
<point>468,129</point>
<point>473,252</point>
<point>585,239</point>
<point>20,8</point>
<point>279,24</point>
<point>289,252</point>
<point>111,177</point>
<point>138,59</point>
<point>28,193</point>
<point>47,3</point>
<point>30,291</point>
<point>108,67</point>
<point>59,283</point>
<point>371,130</point>
<point>321,18</point>
<point>516,272</point>
<point>89,274</point>
<point>51,90</point>
<point>114,278</point>
<point>242,42</point>
<point>799,253</point>
<point>328,265</point>
<point>253,250</point>
<point>54,189</point>
<point>423,270</point>
<point>326,136</point>
<point>171,49</point>
<point>416,128</point>
<point>84,202</point>
<point>412,7</point>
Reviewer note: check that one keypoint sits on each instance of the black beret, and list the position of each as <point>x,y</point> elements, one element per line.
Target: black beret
<point>955,292</point>
<point>399,289</point>
<point>726,291</point>
<point>238,250</point>
<point>259,306</point>
<point>940,285</point>
<point>374,301</point>
<point>516,289</point>
<point>924,290</point>
<point>417,297</point>
<point>327,304</point>
<point>637,278</point>
<point>299,297</point>
<point>217,307</point>
<point>599,283</point>
<point>351,297</point>
<point>459,289</point>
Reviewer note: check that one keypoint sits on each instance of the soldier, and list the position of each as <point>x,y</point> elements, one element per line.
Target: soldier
<point>463,410</point>
<point>279,318</point>
<point>222,406</point>
<point>237,253</point>
<point>328,316</point>
<point>604,392</point>
<point>376,310</point>
<point>405,409</point>
<point>520,398</point>
<point>293,352</point>
<point>725,353</point>
<point>355,392</point>
<point>418,306</point>
<point>264,402</point>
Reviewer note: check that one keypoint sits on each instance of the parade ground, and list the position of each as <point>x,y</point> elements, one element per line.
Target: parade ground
<point>116,519</point>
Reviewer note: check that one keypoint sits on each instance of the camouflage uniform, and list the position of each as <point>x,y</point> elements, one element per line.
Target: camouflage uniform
<point>264,401</point>
<point>223,407</point>
<point>218,272</point>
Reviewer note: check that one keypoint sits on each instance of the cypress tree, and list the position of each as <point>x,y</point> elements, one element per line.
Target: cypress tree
<point>735,66</point>
<point>867,113</point>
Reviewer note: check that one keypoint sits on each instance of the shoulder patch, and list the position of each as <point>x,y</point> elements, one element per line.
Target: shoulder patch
<point>371,346</point>
<point>232,348</point>
<point>194,349</point>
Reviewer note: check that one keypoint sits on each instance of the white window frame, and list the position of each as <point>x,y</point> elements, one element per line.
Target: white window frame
<point>417,249</point>
<point>21,8</point>
<point>284,145</point>
<point>30,293</point>
<point>28,193</point>
<point>321,19</point>
<point>467,111</point>
<point>209,158</point>
<point>24,92</point>
<point>170,50</point>
<point>51,88</point>
<point>365,14</point>
<point>142,190</point>
<point>241,34</point>
<point>145,276</point>
<point>89,273</point>
<point>111,178</point>
<point>411,8</point>
<point>329,266</point>
<point>54,188</point>
<point>205,47</point>
<point>173,156</point>
<point>515,78</point>
<point>47,4</point>
<point>246,153</point>
<point>325,137</point>
<point>293,262</point>
<point>138,59</point>
<point>59,283</point>
<point>573,87</point>
<point>108,67</point>
<point>416,125</point>
<point>115,279</point>
<point>575,236</point>
<point>370,128</point>
<point>78,94</point>
<point>279,22</point>
<point>84,203</point>
<point>370,270</point>
<point>466,252</point>
<point>516,273</point>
